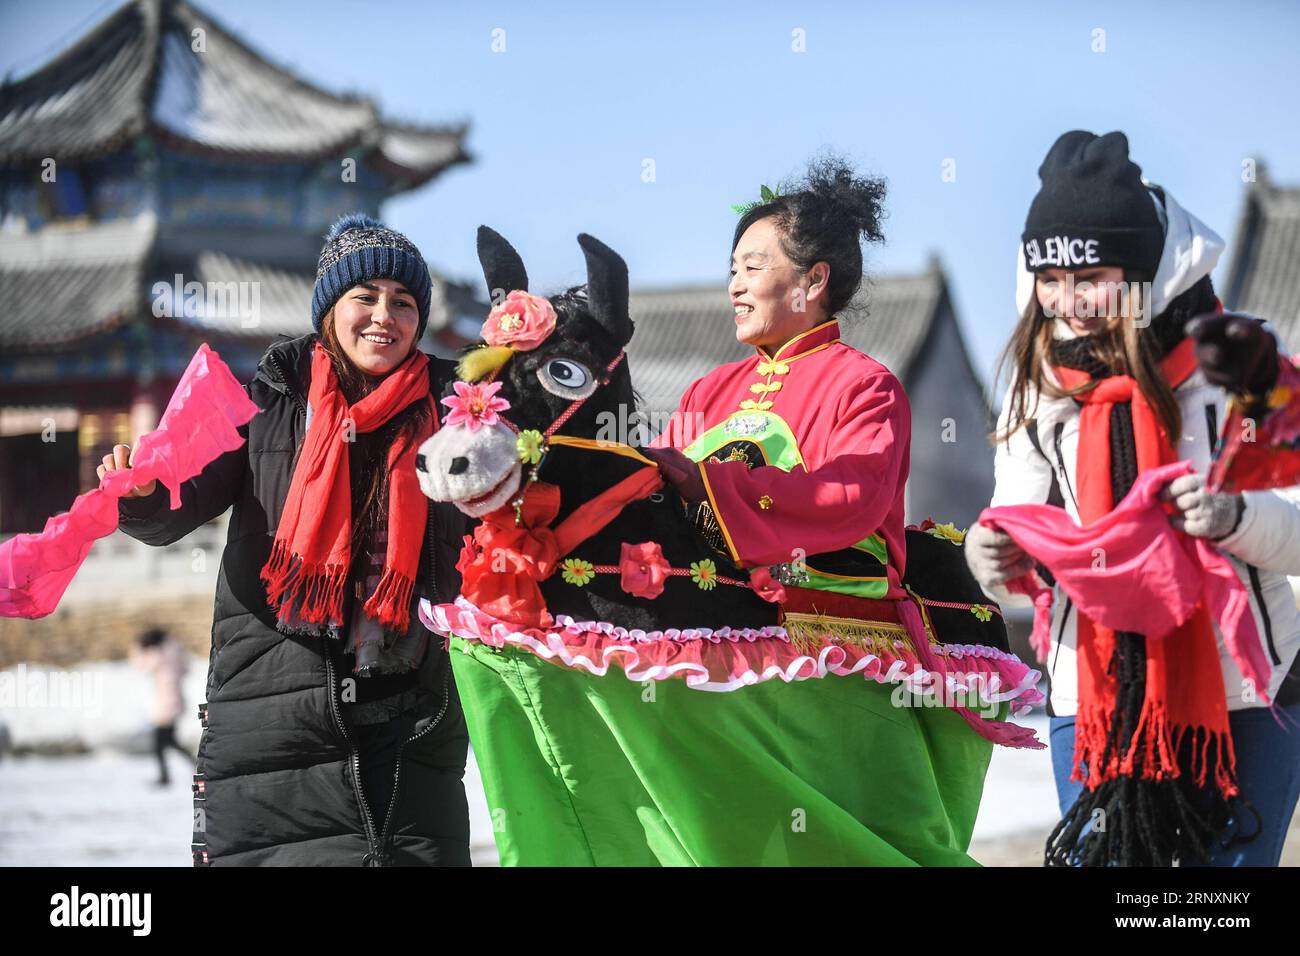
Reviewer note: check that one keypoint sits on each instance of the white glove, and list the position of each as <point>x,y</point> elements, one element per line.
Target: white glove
<point>1201,513</point>
<point>993,557</point>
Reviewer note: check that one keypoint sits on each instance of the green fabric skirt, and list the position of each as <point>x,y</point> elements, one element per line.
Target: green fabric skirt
<point>583,770</point>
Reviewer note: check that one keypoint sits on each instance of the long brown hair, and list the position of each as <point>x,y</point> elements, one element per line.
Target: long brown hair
<point>1122,346</point>
<point>403,428</point>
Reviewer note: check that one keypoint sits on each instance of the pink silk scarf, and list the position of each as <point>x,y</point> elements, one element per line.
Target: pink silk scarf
<point>200,424</point>
<point>1132,571</point>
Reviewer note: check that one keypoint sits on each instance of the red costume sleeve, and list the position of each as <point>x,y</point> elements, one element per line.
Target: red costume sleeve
<point>766,513</point>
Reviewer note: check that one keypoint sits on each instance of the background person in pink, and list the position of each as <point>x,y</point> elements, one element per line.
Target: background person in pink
<point>161,657</point>
<point>1106,367</point>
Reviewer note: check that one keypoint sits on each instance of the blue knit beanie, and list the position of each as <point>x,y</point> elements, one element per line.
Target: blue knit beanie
<point>358,248</point>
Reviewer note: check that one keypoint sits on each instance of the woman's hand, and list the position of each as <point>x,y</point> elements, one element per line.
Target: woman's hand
<point>1202,513</point>
<point>121,458</point>
<point>993,557</point>
<point>679,471</point>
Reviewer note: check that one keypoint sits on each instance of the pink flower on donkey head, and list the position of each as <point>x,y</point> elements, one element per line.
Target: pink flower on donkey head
<point>475,405</point>
<point>522,321</point>
<point>644,569</point>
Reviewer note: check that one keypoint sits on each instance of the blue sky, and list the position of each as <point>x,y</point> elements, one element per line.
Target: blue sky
<point>563,120</point>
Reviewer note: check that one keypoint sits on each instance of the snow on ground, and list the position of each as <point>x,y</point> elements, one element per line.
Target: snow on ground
<point>102,808</point>
<point>1019,792</point>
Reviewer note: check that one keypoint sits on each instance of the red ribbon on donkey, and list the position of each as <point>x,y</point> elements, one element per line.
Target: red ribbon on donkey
<point>508,556</point>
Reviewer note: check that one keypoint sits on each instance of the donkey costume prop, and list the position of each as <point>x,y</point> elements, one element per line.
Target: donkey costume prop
<point>584,560</point>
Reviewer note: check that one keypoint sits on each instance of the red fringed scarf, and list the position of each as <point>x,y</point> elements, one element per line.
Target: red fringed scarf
<point>307,571</point>
<point>1184,684</point>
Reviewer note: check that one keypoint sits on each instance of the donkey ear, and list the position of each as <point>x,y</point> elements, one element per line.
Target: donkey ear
<point>502,267</point>
<point>607,288</point>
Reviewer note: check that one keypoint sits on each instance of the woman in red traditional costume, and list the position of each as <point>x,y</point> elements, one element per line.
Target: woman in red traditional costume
<point>837,414</point>
<point>797,469</point>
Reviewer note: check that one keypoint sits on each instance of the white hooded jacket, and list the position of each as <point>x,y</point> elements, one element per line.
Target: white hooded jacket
<point>1264,549</point>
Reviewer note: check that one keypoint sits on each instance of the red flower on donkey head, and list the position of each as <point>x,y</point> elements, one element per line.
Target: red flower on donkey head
<point>475,405</point>
<point>644,569</point>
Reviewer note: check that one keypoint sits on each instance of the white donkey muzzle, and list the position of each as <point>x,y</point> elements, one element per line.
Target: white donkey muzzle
<point>477,471</point>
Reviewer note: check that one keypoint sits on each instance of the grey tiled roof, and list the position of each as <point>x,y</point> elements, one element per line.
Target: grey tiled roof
<point>59,286</point>
<point>684,333</point>
<point>62,284</point>
<point>1265,276</point>
<point>137,72</point>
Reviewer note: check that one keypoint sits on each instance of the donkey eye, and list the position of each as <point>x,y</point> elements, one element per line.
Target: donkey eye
<point>566,378</point>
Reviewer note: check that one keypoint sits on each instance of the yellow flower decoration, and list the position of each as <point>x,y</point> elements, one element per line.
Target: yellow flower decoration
<point>948,531</point>
<point>705,574</point>
<point>577,571</point>
<point>529,444</point>
<point>1278,396</point>
<point>981,612</point>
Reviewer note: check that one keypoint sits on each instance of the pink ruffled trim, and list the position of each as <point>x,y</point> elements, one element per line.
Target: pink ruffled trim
<point>729,658</point>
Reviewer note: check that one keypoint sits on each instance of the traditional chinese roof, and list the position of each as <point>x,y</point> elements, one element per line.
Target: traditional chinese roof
<point>138,72</point>
<point>62,285</point>
<point>1264,279</point>
<point>683,333</point>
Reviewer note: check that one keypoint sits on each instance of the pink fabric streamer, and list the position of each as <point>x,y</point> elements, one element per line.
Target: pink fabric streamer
<point>998,731</point>
<point>200,424</point>
<point>1149,577</point>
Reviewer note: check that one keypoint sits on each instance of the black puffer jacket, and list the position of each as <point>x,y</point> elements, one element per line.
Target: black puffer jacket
<point>278,779</point>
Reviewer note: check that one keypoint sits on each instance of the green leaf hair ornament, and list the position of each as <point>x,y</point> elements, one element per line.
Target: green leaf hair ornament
<point>766,195</point>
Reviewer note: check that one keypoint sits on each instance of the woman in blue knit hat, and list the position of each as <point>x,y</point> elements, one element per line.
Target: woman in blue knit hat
<point>332,730</point>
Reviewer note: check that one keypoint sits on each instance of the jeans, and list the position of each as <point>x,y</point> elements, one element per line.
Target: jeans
<point>1268,771</point>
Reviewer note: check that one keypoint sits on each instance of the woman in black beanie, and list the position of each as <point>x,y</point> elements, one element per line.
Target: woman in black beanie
<point>1162,752</point>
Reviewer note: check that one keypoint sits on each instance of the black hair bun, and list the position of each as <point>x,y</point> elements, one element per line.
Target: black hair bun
<point>848,201</point>
<point>825,215</point>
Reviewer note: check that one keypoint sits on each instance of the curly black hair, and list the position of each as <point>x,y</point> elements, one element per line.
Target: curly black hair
<point>823,217</point>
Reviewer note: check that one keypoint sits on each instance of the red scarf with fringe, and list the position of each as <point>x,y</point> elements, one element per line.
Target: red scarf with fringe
<point>1184,683</point>
<point>308,568</point>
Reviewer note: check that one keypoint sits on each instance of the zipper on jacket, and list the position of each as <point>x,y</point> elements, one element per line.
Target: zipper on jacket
<point>1060,460</point>
<point>430,539</point>
<point>385,836</point>
<point>1258,588</point>
<point>284,380</point>
<point>354,756</point>
<point>1212,427</point>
